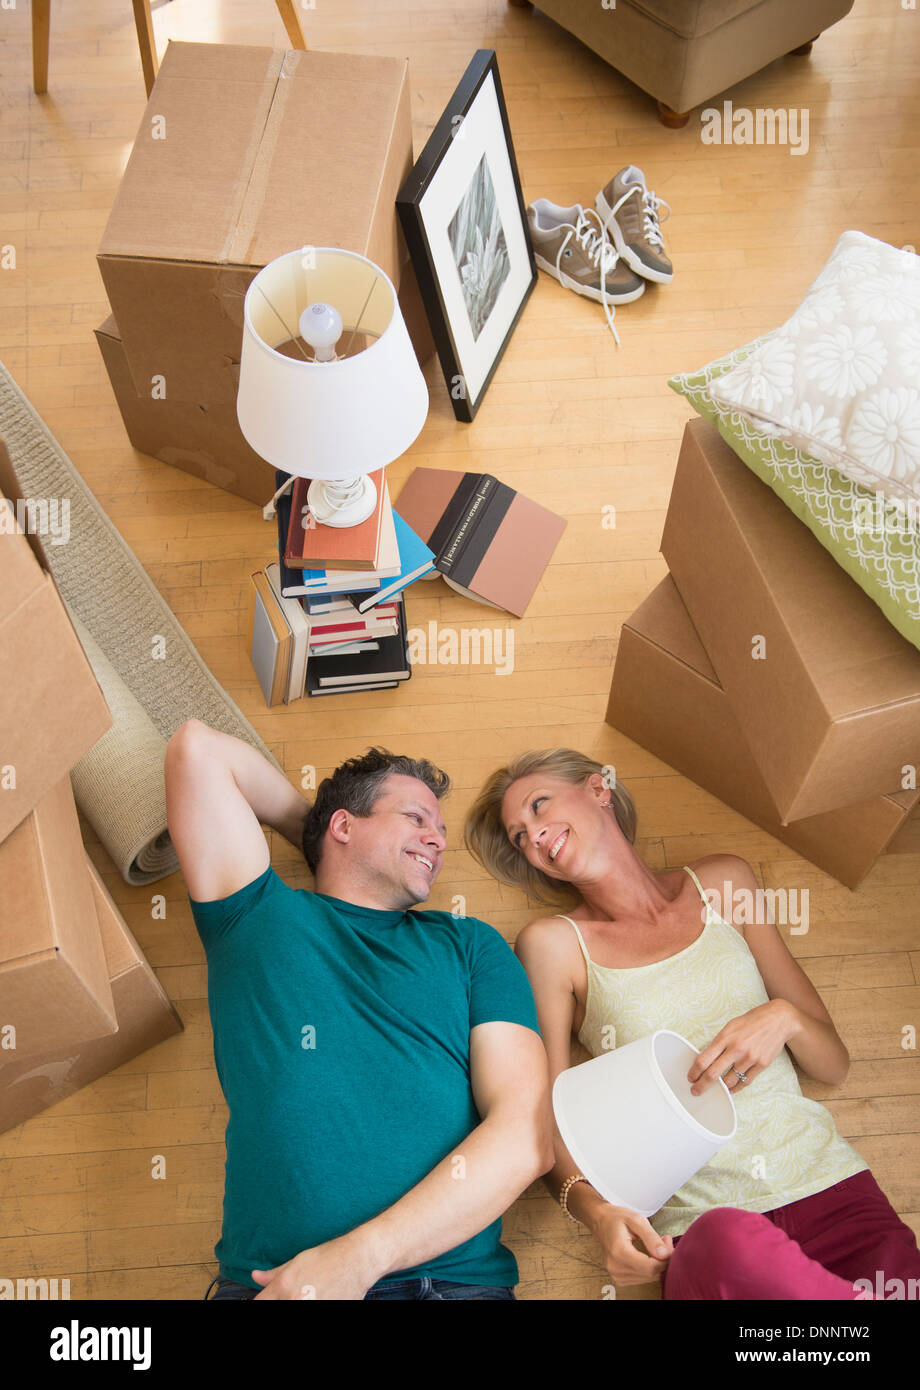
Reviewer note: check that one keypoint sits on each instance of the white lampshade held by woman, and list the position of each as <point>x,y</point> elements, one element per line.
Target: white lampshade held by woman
<point>630,1123</point>
<point>330,387</point>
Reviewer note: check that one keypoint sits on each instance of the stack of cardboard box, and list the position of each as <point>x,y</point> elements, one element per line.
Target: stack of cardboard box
<point>243,154</point>
<point>76,995</point>
<point>761,671</point>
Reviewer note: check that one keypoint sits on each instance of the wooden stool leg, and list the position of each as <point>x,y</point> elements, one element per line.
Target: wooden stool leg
<point>674,120</point>
<point>41,31</point>
<point>146,41</point>
<point>291,23</point>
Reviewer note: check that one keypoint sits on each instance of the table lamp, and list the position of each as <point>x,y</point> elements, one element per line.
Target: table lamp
<point>330,387</point>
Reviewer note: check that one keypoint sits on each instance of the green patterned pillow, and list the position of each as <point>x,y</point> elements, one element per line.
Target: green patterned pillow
<point>870,536</point>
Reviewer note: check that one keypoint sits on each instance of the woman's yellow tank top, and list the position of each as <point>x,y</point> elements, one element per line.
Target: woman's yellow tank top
<point>785,1147</point>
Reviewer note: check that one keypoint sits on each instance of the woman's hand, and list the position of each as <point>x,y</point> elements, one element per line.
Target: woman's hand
<point>748,1043</point>
<point>616,1228</point>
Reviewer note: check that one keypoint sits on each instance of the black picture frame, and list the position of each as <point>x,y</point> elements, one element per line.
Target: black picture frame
<point>446,329</point>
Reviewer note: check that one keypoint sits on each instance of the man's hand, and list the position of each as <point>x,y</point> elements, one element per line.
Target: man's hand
<point>748,1044</point>
<point>616,1228</point>
<point>219,793</point>
<point>340,1269</point>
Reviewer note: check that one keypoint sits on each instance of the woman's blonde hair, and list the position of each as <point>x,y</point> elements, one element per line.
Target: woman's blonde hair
<point>487,840</point>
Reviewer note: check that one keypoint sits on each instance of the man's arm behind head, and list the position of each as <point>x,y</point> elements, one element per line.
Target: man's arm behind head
<point>219,793</point>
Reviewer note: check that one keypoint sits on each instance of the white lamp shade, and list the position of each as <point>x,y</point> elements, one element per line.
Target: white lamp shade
<point>631,1125</point>
<point>333,419</point>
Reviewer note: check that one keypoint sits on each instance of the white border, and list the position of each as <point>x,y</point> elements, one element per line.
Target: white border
<point>479,132</point>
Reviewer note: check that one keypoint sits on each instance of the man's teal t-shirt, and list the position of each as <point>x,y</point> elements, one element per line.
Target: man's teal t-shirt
<point>342,1045</point>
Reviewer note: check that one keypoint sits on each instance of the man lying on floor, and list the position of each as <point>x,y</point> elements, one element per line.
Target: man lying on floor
<point>386,1081</point>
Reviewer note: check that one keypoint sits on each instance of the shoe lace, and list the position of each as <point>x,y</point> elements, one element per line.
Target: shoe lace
<point>600,250</point>
<point>651,219</point>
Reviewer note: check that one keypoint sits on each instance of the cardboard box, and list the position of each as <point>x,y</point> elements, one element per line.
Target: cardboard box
<point>243,154</point>
<point>828,693</point>
<point>51,708</point>
<point>144,1013</point>
<point>205,441</point>
<point>415,314</point>
<point>54,985</point>
<point>666,696</point>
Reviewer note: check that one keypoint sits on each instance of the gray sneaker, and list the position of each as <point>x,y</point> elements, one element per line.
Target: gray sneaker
<point>571,245</point>
<point>629,213</point>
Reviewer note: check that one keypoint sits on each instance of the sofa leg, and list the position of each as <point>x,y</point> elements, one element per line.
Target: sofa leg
<point>521,4</point>
<point>803,49</point>
<point>674,120</point>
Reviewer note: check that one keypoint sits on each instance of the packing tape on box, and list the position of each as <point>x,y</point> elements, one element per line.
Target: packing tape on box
<point>119,784</point>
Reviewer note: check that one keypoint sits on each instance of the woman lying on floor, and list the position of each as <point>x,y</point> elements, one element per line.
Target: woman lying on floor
<point>787,1209</point>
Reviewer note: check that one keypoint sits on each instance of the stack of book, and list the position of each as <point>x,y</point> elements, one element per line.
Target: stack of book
<point>329,615</point>
<point>357,651</point>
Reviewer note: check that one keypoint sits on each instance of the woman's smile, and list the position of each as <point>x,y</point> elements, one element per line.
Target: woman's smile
<point>556,847</point>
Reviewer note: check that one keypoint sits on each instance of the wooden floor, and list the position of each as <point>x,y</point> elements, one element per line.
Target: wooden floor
<point>573,422</point>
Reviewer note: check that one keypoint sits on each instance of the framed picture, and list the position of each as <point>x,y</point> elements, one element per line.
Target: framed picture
<point>466,228</point>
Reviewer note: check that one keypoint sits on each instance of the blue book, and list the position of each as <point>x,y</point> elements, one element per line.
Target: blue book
<point>415,560</point>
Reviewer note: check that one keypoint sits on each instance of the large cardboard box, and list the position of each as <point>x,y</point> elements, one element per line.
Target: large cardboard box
<point>666,696</point>
<point>827,692</point>
<point>144,1013</point>
<point>243,154</point>
<point>51,708</point>
<point>204,441</point>
<point>54,985</point>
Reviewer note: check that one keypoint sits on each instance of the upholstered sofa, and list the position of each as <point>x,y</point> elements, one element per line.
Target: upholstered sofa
<point>684,52</point>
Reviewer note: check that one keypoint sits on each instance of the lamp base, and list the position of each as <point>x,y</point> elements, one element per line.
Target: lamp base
<point>342,502</point>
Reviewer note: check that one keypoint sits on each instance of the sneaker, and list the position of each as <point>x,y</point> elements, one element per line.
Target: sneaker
<point>630,216</point>
<point>577,252</point>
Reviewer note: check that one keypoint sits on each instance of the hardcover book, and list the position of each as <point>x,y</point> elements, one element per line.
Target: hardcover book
<point>294,582</point>
<point>311,545</point>
<point>270,640</point>
<point>490,542</point>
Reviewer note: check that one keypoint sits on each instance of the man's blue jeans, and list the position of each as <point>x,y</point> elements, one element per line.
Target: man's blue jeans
<point>440,1289</point>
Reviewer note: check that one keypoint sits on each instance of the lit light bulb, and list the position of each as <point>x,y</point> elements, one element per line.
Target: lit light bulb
<point>321,326</point>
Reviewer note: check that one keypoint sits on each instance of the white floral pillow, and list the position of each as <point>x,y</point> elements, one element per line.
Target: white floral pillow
<point>840,380</point>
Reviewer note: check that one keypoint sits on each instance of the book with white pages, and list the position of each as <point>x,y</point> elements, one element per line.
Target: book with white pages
<point>343,648</point>
<point>270,641</point>
<point>299,624</point>
<point>354,689</point>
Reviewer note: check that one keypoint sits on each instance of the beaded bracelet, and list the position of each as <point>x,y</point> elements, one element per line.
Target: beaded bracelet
<point>564,1195</point>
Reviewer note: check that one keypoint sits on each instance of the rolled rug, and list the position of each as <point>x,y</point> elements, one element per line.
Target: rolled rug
<point>119,784</point>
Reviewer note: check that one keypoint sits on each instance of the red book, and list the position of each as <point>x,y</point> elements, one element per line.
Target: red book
<point>341,622</point>
<point>311,545</point>
<point>353,634</point>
